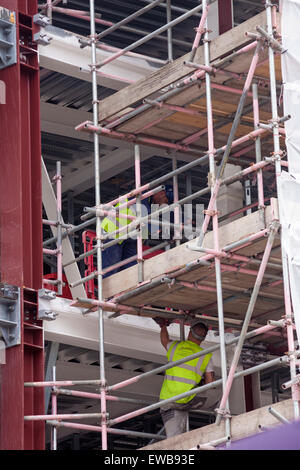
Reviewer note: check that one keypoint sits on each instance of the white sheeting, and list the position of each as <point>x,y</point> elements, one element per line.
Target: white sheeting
<point>289,207</point>
<point>289,183</point>
<point>291,79</point>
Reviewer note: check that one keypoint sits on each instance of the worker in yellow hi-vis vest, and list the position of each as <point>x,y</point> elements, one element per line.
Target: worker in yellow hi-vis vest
<point>125,248</point>
<point>185,377</point>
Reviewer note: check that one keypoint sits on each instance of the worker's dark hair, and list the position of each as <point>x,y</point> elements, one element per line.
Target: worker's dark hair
<point>201,325</point>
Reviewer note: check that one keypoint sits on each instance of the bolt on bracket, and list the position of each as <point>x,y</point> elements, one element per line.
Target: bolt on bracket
<point>10,315</point>
<point>8,38</point>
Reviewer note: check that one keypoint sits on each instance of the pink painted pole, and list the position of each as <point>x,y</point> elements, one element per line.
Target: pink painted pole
<point>235,91</point>
<point>175,108</point>
<point>81,14</point>
<point>208,257</point>
<point>115,77</point>
<point>274,17</point>
<point>119,265</point>
<point>132,193</point>
<point>53,3</point>
<point>62,383</point>
<point>234,269</point>
<point>290,334</point>
<point>177,234</point>
<point>252,135</point>
<point>243,151</point>
<point>137,166</point>
<point>260,186</point>
<point>243,209</point>
<point>199,31</point>
<point>47,251</point>
<point>209,211</point>
<point>55,417</point>
<point>117,214</point>
<point>59,228</point>
<point>87,126</point>
<point>54,412</point>
<point>103,418</point>
<point>106,47</point>
<point>192,285</point>
<point>249,312</point>
<point>179,109</point>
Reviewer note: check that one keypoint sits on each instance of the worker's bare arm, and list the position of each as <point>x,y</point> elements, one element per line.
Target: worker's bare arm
<point>209,377</point>
<point>164,336</point>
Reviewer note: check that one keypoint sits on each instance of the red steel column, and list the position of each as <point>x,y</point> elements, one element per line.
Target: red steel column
<point>21,231</point>
<point>20,149</point>
<point>225,15</point>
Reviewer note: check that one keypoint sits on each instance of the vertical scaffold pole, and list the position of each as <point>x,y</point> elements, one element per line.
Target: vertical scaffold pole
<point>228,147</point>
<point>98,227</point>
<point>59,227</point>
<point>54,412</point>
<point>170,34</point>
<point>260,187</point>
<point>137,162</point>
<point>177,210</point>
<point>277,157</point>
<point>212,170</point>
<point>49,10</point>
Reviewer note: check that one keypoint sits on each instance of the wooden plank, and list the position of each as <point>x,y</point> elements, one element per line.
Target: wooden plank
<point>186,96</point>
<point>179,256</point>
<point>175,70</point>
<point>242,426</point>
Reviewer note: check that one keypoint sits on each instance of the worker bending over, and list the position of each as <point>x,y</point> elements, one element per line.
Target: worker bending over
<point>185,377</point>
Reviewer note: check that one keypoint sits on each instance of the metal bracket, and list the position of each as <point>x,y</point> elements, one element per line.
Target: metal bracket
<point>8,38</point>
<point>10,314</point>
<point>42,39</point>
<point>41,20</point>
<point>45,313</point>
<point>47,294</point>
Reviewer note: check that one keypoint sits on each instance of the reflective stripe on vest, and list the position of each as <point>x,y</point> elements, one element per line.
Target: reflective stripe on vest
<point>109,224</point>
<point>182,378</point>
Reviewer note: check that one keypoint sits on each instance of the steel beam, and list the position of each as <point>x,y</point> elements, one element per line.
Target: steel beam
<point>225,15</point>
<point>64,55</point>
<point>21,231</point>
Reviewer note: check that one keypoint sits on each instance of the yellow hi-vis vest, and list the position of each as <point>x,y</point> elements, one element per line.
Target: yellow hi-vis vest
<point>112,224</point>
<point>182,378</point>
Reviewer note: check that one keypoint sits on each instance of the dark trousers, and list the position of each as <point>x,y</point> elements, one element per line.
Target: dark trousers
<point>117,253</point>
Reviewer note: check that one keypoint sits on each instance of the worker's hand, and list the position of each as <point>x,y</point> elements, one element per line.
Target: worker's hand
<point>161,321</point>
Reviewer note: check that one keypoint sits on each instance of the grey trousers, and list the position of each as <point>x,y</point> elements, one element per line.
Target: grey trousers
<point>175,415</point>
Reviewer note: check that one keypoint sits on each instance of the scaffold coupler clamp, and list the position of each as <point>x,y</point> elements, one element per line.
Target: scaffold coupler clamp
<point>204,31</point>
<point>274,226</point>
<point>223,413</point>
<point>211,213</point>
<point>55,390</point>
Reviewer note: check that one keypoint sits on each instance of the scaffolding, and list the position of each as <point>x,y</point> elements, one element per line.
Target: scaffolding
<point>263,42</point>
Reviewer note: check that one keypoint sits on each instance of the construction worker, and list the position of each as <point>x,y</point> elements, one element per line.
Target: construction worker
<point>185,377</point>
<point>127,248</point>
<point>124,248</point>
<point>154,203</point>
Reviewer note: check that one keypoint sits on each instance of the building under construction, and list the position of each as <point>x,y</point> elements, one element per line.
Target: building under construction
<point>102,106</point>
